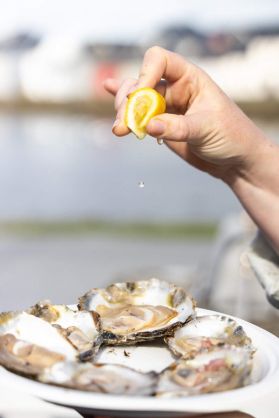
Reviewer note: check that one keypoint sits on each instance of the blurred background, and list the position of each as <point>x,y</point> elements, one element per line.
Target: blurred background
<point>80,208</point>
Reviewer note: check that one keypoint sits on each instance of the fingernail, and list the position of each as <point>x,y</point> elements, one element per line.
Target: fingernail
<point>156,127</point>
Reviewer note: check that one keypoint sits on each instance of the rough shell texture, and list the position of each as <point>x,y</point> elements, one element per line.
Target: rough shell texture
<point>81,328</point>
<point>103,378</point>
<point>217,371</point>
<point>207,333</point>
<point>52,342</point>
<point>28,344</point>
<point>139,311</point>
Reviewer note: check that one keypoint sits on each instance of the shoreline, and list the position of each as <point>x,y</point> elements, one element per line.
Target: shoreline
<point>146,230</point>
<point>267,109</point>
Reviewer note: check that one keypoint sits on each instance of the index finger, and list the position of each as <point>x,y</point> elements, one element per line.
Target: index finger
<point>160,63</point>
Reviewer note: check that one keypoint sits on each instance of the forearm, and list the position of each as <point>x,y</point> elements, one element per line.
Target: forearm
<point>205,128</point>
<point>257,188</point>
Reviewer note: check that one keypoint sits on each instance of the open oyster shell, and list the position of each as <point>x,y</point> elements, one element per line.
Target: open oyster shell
<point>139,311</point>
<point>77,326</point>
<point>51,342</point>
<point>216,371</point>
<point>29,344</point>
<point>206,333</point>
<point>102,378</point>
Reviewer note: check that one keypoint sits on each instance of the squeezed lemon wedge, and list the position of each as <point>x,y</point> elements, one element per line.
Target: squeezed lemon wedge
<point>143,104</point>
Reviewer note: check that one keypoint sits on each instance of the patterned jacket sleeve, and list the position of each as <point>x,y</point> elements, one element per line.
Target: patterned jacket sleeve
<point>265,264</point>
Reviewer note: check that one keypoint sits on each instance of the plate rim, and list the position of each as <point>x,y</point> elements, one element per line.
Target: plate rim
<point>213,402</point>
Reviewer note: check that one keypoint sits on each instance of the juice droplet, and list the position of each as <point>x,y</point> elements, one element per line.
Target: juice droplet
<point>141,184</point>
<point>160,141</point>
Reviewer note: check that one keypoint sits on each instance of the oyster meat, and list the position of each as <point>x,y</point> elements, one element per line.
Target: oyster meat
<point>76,325</point>
<point>206,333</point>
<point>56,344</point>
<point>102,378</point>
<point>216,371</point>
<point>29,344</point>
<point>139,311</point>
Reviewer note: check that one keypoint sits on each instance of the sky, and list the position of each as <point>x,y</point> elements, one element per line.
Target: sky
<point>129,20</point>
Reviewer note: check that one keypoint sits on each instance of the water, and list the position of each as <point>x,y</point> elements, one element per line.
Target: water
<point>69,166</point>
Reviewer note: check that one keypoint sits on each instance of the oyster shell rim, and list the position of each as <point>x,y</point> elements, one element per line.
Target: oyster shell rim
<point>85,355</point>
<point>150,374</point>
<point>8,313</point>
<point>247,370</point>
<point>193,353</point>
<point>110,338</point>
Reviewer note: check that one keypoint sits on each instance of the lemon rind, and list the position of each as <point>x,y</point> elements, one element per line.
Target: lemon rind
<point>158,107</point>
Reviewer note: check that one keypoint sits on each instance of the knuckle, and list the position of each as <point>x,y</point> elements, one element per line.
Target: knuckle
<point>116,102</point>
<point>143,74</point>
<point>181,128</point>
<point>130,81</point>
<point>155,49</point>
<point>119,101</point>
<point>127,83</point>
<point>123,91</point>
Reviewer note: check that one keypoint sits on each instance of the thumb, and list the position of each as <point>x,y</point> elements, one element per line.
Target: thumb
<point>174,127</point>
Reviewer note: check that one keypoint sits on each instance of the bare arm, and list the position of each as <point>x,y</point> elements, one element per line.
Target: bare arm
<point>257,188</point>
<point>205,128</point>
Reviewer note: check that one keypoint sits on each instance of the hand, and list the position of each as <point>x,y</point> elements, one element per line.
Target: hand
<point>206,129</point>
<point>203,126</point>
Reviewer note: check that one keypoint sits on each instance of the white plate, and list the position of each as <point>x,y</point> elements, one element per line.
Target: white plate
<point>265,378</point>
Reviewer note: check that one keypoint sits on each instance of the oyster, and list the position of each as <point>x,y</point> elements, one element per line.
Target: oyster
<point>29,344</point>
<point>139,311</point>
<point>225,369</point>
<point>75,325</point>
<point>206,333</point>
<point>102,378</point>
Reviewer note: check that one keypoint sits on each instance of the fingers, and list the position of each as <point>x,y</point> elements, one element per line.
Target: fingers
<point>112,85</point>
<point>119,128</point>
<point>159,63</point>
<point>174,127</point>
<point>121,91</point>
<point>124,90</point>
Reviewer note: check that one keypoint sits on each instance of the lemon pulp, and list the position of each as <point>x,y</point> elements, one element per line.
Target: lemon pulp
<point>142,105</point>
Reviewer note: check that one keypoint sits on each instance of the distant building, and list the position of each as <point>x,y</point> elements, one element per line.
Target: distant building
<point>182,39</point>
<point>19,42</point>
<point>58,70</point>
<point>68,71</point>
<point>193,43</point>
<point>11,50</point>
<point>114,52</point>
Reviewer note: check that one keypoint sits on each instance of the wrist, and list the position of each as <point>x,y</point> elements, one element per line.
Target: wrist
<point>256,185</point>
<point>257,166</point>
